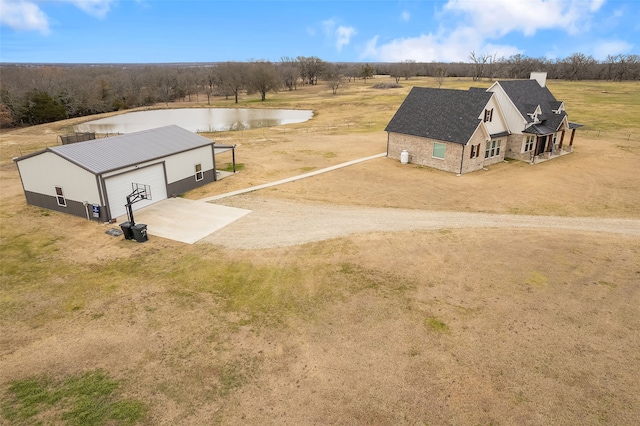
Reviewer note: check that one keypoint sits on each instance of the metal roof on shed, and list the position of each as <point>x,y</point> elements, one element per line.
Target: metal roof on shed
<point>112,153</point>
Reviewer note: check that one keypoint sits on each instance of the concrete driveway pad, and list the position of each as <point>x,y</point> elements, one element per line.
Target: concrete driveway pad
<point>185,220</point>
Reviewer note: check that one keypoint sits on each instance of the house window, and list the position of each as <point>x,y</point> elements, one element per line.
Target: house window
<point>60,197</point>
<point>488,115</point>
<point>475,151</point>
<point>438,150</point>
<point>529,141</point>
<point>492,149</point>
<point>199,175</point>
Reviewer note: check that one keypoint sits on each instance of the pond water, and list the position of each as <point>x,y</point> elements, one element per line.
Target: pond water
<point>196,119</point>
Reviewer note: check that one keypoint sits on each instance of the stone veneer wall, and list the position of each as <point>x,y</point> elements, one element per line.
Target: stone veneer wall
<point>514,146</point>
<point>421,152</point>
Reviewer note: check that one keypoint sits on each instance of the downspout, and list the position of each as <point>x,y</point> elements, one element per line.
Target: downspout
<point>387,144</point>
<point>215,166</point>
<point>461,160</point>
<point>104,197</point>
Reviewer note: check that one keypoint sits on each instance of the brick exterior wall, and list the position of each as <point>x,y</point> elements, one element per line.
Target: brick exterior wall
<point>514,146</point>
<point>421,152</point>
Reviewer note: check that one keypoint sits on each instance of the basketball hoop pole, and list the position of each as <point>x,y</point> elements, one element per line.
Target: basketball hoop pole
<point>134,197</point>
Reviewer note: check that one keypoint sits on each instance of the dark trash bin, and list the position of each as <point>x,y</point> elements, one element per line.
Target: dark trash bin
<point>140,232</point>
<point>126,230</point>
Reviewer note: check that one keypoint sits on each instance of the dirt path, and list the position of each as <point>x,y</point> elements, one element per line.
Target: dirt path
<point>278,223</point>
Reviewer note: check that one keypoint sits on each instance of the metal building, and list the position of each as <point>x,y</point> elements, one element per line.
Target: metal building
<point>92,179</point>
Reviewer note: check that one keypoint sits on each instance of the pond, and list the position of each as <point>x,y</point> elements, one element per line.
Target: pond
<point>196,119</point>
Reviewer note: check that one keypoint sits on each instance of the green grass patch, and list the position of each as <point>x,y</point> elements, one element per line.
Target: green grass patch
<point>537,279</point>
<point>436,325</point>
<point>228,167</point>
<point>235,374</point>
<point>89,399</point>
<point>266,292</point>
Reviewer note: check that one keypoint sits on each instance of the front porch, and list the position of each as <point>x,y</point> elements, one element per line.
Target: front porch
<point>550,155</point>
<point>551,145</point>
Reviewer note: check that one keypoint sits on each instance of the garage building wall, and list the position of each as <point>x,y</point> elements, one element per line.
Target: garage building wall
<point>181,176</point>
<point>40,175</point>
<point>118,187</point>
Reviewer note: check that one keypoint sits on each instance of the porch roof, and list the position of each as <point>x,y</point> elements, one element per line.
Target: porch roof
<point>539,129</point>
<point>500,135</point>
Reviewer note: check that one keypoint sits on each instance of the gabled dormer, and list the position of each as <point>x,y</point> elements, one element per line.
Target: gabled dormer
<point>534,115</point>
<point>557,107</point>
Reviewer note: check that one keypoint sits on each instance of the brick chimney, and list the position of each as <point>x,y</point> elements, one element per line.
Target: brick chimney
<point>540,77</point>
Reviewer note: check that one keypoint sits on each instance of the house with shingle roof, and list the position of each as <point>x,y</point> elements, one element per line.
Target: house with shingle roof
<point>538,123</point>
<point>457,131</point>
<point>92,179</point>
<point>461,131</point>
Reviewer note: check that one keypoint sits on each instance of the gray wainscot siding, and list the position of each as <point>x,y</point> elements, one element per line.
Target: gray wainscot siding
<point>187,184</point>
<point>76,208</point>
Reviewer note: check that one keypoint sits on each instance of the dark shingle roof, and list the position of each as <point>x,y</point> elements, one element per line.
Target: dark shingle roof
<point>442,114</point>
<point>526,95</point>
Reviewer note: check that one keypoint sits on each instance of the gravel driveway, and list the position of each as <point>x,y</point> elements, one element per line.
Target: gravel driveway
<point>278,223</point>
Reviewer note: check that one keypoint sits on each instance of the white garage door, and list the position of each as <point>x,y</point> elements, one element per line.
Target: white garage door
<point>118,187</point>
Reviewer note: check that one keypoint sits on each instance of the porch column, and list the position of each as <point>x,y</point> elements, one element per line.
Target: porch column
<point>573,133</point>
<point>561,140</point>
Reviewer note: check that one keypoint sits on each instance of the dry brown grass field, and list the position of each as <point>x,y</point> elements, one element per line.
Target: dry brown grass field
<point>448,326</point>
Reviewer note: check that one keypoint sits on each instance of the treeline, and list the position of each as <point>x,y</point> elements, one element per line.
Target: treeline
<point>35,94</point>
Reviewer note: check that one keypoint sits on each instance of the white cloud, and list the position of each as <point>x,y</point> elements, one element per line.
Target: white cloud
<point>477,26</point>
<point>96,8</point>
<point>23,16</point>
<point>498,17</point>
<point>340,35</point>
<point>433,48</point>
<point>28,16</point>
<point>343,36</point>
<point>602,49</point>
<point>405,16</point>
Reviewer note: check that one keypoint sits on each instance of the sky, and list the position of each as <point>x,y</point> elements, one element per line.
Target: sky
<point>178,31</point>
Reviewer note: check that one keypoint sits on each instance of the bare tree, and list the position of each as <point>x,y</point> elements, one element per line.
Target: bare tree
<point>441,74</point>
<point>209,83</point>
<point>408,69</point>
<point>395,71</point>
<point>289,70</point>
<point>576,66</point>
<point>231,78</point>
<point>492,66</point>
<point>351,71</point>
<point>333,76</point>
<point>310,68</point>
<point>625,66</point>
<point>478,63</point>
<point>263,78</point>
